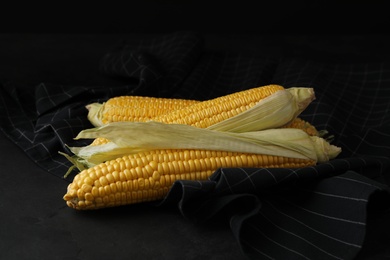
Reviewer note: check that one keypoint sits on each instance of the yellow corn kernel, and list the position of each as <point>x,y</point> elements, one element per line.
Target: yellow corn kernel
<point>99,141</point>
<point>156,171</point>
<point>209,112</point>
<point>139,108</point>
<point>304,125</point>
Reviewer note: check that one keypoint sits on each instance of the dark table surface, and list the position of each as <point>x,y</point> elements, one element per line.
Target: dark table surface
<point>35,221</point>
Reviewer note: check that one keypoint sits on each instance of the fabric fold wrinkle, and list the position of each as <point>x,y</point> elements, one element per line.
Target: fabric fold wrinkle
<point>257,201</point>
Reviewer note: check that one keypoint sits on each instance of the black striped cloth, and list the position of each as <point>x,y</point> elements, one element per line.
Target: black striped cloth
<point>316,212</point>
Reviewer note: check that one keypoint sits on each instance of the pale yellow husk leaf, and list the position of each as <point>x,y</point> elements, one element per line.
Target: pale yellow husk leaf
<point>133,137</point>
<point>274,111</point>
<point>94,114</point>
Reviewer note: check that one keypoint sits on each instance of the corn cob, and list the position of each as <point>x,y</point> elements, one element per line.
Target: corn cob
<point>179,111</point>
<point>209,112</point>
<point>148,176</point>
<point>133,108</point>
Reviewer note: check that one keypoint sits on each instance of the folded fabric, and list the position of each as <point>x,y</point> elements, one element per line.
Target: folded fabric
<point>317,212</point>
<point>309,213</point>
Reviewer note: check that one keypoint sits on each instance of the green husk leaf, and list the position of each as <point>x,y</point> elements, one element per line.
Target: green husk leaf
<point>77,162</point>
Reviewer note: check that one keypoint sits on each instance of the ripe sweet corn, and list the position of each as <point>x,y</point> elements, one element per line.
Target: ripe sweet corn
<point>209,112</point>
<point>176,111</point>
<point>133,108</point>
<point>148,176</point>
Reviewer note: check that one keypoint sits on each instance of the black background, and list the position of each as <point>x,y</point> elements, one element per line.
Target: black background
<point>222,17</point>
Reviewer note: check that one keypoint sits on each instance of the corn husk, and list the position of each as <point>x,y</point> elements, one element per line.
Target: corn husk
<point>273,111</point>
<point>94,113</point>
<point>133,137</point>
